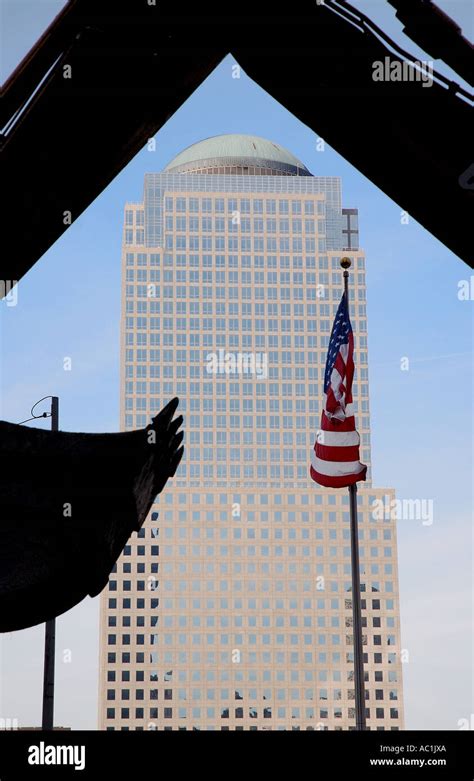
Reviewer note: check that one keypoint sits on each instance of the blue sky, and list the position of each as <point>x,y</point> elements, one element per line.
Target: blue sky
<point>69,305</point>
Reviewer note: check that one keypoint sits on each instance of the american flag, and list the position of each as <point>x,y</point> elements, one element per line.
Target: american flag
<point>335,457</point>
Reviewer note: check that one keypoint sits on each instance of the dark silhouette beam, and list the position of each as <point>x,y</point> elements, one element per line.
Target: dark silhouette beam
<point>132,67</point>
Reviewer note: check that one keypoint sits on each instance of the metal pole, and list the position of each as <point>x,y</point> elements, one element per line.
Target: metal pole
<point>359,683</point>
<point>356,614</point>
<point>50,627</point>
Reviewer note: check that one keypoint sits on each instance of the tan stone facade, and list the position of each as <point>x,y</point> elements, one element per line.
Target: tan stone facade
<point>231,609</point>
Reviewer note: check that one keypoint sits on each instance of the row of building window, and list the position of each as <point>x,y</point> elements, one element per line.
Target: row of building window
<point>321,726</point>
<point>287,456</point>
<point>234,406</point>
<point>154,291</point>
<point>231,243</point>
<point>320,291</point>
<point>196,586</point>
<point>322,262</point>
<point>237,532</point>
<point>230,421</point>
<point>251,676</point>
<point>234,243</point>
<point>248,421</point>
<point>141,355</point>
<point>219,308</point>
<point>181,622</point>
<point>263,658</point>
<point>261,475</point>
<point>317,497</point>
<point>300,584</point>
<point>250,603</point>
<point>263,568</point>
<point>195,242</point>
<point>271,341</point>
<point>243,205</point>
<point>237,222</point>
<point>204,370</point>
<point>247,341</point>
<point>280,713</point>
<point>225,695</point>
<point>153,404</point>
<point>242,514</point>
<point>236,308</point>
<point>143,387</point>
<point>296,356</point>
<point>230,324</point>
<point>247,438</point>
<point>207,205</point>
<point>210,638</point>
<point>302,568</point>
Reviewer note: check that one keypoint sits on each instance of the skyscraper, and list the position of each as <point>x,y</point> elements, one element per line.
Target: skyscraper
<point>231,608</point>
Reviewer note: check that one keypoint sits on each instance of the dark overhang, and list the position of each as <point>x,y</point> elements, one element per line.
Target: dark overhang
<point>105,77</point>
<point>68,504</point>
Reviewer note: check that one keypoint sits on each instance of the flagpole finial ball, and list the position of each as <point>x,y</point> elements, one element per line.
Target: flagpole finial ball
<point>345,262</point>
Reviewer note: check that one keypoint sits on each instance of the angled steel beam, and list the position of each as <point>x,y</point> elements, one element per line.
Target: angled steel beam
<point>124,72</point>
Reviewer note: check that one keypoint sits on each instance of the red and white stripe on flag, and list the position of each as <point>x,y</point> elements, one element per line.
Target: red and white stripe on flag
<point>335,457</point>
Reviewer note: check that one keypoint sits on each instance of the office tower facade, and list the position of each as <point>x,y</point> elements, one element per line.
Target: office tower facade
<point>231,608</point>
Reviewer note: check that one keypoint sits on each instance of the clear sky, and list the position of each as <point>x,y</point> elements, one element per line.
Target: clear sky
<point>69,305</point>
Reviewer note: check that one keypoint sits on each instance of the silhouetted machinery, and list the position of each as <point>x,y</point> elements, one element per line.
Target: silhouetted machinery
<point>68,504</point>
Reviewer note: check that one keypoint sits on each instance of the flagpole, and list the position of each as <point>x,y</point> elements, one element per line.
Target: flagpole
<point>47,722</point>
<point>355,566</point>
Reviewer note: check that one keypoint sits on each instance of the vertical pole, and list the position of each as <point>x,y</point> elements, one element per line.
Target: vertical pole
<point>50,627</point>
<point>359,683</point>
<point>356,614</point>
